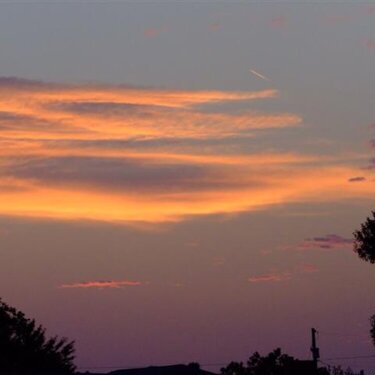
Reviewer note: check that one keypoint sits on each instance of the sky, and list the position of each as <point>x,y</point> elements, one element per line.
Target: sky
<point>180,181</point>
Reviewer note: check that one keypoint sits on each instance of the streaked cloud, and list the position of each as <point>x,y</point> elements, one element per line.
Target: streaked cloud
<point>102,284</point>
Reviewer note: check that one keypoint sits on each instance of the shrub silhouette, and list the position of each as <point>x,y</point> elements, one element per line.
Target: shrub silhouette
<point>24,347</point>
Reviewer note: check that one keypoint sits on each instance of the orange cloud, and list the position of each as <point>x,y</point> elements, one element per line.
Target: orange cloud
<point>113,153</point>
<point>102,284</point>
<point>38,111</point>
<point>68,191</point>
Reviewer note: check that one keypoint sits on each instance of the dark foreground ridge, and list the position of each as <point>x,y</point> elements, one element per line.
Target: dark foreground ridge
<point>164,370</point>
<point>191,369</point>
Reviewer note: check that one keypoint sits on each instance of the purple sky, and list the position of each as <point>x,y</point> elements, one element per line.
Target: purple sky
<point>180,181</point>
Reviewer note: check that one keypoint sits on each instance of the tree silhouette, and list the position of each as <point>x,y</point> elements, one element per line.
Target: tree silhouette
<point>364,240</point>
<point>364,246</point>
<point>274,363</point>
<point>372,330</point>
<point>24,347</point>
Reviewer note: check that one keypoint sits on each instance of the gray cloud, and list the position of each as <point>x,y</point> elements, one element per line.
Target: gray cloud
<point>329,241</point>
<point>16,83</point>
<point>104,109</point>
<point>11,121</point>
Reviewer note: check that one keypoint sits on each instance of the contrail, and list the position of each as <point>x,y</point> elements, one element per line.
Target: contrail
<point>261,76</point>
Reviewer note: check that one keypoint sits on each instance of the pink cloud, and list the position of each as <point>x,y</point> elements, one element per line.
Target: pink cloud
<point>329,241</point>
<point>370,43</point>
<point>371,9</point>
<point>337,19</point>
<point>271,277</point>
<point>218,261</point>
<point>192,244</point>
<point>279,22</point>
<point>307,268</point>
<point>153,32</point>
<point>278,276</point>
<point>215,26</point>
<point>102,284</point>
<point>265,252</point>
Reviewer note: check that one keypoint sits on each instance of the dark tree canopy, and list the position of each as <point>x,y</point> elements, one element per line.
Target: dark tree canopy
<point>364,240</point>
<point>276,363</point>
<point>24,347</point>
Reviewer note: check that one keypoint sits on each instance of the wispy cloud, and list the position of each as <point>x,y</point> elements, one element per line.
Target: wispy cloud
<point>102,284</point>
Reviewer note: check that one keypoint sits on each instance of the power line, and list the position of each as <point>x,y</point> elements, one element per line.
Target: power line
<point>342,335</point>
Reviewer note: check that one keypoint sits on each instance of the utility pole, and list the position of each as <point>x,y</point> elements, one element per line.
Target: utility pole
<point>314,348</point>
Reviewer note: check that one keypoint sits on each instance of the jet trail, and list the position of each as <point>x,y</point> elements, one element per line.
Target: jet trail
<point>261,76</point>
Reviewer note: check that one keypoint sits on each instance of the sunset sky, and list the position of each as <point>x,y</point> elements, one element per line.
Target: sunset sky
<point>180,181</point>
